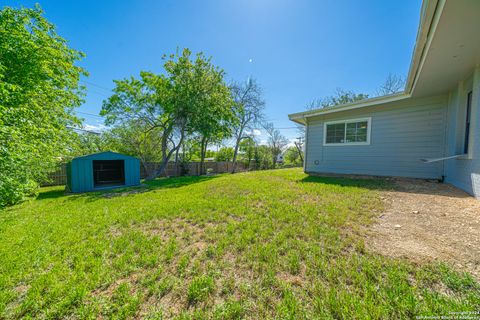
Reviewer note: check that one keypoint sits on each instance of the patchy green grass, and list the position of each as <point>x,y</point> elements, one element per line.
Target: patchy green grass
<point>271,244</point>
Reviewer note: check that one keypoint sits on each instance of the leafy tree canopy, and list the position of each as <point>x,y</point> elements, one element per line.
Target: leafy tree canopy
<point>340,97</point>
<point>39,87</point>
<point>189,98</point>
<point>224,154</point>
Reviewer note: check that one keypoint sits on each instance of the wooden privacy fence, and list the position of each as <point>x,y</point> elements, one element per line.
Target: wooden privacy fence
<point>192,168</point>
<point>59,177</point>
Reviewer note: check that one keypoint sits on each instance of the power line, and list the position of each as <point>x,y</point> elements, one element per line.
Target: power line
<point>110,90</point>
<point>91,114</point>
<point>99,93</point>
<point>88,131</point>
<point>285,128</point>
<point>96,85</point>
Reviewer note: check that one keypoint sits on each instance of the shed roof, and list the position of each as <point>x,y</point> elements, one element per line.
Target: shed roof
<point>94,155</point>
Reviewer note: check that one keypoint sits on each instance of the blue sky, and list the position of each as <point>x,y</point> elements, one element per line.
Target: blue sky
<point>300,49</point>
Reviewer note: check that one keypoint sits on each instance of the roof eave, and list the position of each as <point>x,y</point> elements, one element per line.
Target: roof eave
<point>428,21</point>
<point>299,120</point>
<point>349,106</point>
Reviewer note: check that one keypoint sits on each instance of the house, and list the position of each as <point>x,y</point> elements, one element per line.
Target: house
<point>431,130</point>
<point>280,158</point>
<point>102,170</point>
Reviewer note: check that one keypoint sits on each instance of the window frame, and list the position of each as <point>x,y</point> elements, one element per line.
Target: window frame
<point>365,143</point>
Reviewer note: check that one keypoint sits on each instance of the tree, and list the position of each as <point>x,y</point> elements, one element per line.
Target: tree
<point>133,138</point>
<point>393,84</point>
<point>214,121</point>
<point>176,103</point>
<point>144,101</point>
<point>276,141</point>
<point>341,96</point>
<point>224,154</point>
<point>249,107</point>
<point>86,142</point>
<point>247,148</point>
<point>293,156</point>
<point>263,157</point>
<point>39,88</point>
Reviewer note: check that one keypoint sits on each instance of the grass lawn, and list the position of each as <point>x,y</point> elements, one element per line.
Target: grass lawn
<point>268,244</point>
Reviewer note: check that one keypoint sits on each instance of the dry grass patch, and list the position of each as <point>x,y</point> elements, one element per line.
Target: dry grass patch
<point>427,222</point>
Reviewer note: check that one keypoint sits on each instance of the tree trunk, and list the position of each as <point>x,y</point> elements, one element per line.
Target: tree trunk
<point>166,156</point>
<point>176,162</point>
<point>203,152</point>
<point>145,168</point>
<point>235,152</point>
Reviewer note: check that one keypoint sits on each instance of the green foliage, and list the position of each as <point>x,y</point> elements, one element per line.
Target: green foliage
<point>247,148</point>
<point>263,157</point>
<point>340,97</point>
<point>262,245</point>
<point>134,138</point>
<point>87,143</point>
<point>190,99</point>
<point>292,156</point>
<point>224,154</point>
<point>39,87</point>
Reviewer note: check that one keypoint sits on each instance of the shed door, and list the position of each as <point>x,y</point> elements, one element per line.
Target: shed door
<point>107,173</point>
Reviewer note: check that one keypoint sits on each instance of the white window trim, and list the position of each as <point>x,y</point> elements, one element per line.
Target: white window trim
<point>366,143</point>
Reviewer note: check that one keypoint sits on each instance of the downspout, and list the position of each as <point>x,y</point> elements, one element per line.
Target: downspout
<point>445,136</point>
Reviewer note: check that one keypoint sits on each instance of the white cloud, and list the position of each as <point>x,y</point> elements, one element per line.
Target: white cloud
<point>254,132</point>
<point>93,127</point>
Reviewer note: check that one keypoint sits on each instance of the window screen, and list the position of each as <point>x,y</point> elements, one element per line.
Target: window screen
<point>336,133</point>
<point>347,132</point>
<point>357,132</point>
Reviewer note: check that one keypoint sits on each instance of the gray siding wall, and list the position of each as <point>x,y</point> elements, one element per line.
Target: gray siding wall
<point>402,133</point>
<point>464,172</point>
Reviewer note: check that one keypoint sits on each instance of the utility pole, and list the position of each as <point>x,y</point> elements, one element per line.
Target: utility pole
<point>299,146</point>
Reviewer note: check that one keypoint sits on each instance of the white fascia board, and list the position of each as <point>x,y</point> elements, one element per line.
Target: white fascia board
<point>297,117</point>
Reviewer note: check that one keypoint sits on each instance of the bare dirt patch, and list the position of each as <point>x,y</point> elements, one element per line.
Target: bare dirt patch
<point>428,221</point>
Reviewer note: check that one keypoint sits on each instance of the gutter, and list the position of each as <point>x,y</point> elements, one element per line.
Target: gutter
<point>300,116</point>
<point>424,39</point>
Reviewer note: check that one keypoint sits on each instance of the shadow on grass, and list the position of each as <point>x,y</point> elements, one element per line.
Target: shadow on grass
<point>51,194</point>
<point>367,183</point>
<point>146,186</point>
<point>176,182</point>
<point>409,185</point>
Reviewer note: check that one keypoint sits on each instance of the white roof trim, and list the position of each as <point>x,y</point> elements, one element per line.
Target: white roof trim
<point>300,117</point>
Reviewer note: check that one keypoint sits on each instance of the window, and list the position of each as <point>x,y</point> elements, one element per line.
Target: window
<point>467,122</point>
<point>347,132</point>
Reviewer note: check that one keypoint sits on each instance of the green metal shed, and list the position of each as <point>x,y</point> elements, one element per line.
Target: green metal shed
<point>102,171</point>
